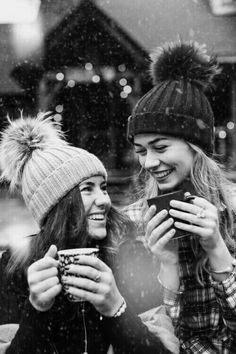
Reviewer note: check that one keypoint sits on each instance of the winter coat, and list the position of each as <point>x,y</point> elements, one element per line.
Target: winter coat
<point>62,329</point>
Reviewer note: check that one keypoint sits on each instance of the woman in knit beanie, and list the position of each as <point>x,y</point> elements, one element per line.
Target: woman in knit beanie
<point>172,131</point>
<point>64,187</point>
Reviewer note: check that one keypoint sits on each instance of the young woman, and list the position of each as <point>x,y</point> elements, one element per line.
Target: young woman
<point>65,189</point>
<point>172,131</point>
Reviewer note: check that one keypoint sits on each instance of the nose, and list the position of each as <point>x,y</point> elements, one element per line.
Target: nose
<point>102,198</point>
<point>151,160</point>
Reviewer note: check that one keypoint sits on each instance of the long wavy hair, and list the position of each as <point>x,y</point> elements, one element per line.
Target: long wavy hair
<point>210,182</point>
<point>66,227</point>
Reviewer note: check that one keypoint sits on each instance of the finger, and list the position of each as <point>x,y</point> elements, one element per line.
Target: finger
<point>194,229</point>
<point>84,295</point>
<point>82,283</point>
<point>50,294</point>
<point>43,286</point>
<point>160,231</point>
<point>84,271</point>
<point>202,203</point>
<point>197,202</point>
<point>92,261</point>
<point>150,213</point>
<point>156,220</point>
<point>207,206</point>
<point>43,263</point>
<point>191,218</point>
<point>190,212</point>
<point>37,277</point>
<point>162,242</point>
<point>187,207</point>
<point>52,252</point>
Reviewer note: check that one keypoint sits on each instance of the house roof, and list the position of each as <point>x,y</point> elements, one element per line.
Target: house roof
<point>88,33</point>
<point>152,22</point>
<point>142,24</point>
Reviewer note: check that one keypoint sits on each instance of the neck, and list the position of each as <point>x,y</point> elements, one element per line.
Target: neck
<point>186,186</point>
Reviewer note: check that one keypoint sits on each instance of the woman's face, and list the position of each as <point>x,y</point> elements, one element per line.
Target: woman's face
<point>167,159</point>
<point>97,204</point>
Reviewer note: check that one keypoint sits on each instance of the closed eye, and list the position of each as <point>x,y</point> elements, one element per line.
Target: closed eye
<point>160,148</point>
<point>86,189</point>
<point>140,152</point>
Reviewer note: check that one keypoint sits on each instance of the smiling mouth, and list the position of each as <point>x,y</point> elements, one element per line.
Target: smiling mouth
<point>97,217</point>
<point>163,174</point>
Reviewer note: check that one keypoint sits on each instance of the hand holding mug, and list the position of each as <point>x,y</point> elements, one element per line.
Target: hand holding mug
<point>43,281</point>
<point>90,279</point>
<point>202,220</point>
<point>159,231</point>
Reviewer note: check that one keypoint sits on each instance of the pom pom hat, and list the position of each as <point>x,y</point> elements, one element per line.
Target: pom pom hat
<point>177,105</point>
<point>35,158</point>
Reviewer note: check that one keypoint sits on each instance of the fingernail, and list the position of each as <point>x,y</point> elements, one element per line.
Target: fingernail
<point>164,212</point>
<point>172,212</point>
<point>64,278</point>
<point>188,197</point>
<point>187,194</point>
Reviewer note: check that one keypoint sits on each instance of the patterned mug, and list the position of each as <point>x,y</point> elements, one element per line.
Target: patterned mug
<point>69,256</point>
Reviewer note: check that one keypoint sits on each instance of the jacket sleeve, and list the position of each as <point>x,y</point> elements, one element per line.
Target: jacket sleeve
<point>136,277</point>
<point>129,335</point>
<point>226,297</point>
<point>172,302</point>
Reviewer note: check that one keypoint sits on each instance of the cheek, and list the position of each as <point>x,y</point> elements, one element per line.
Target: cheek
<point>185,169</point>
<point>189,161</point>
<point>141,160</point>
<point>86,203</point>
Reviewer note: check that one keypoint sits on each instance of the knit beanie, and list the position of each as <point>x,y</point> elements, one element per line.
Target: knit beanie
<point>177,105</point>
<point>35,158</point>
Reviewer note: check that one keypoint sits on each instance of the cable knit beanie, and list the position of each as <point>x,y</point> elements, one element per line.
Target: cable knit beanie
<point>35,158</point>
<point>177,105</point>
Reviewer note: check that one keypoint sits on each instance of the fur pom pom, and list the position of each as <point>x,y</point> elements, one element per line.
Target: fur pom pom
<point>184,61</point>
<point>20,139</point>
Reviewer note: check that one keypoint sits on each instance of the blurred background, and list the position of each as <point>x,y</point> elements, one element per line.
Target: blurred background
<point>87,61</point>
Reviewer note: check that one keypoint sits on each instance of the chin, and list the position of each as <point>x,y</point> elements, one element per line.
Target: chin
<point>169,186</point>
<point>98,235</point>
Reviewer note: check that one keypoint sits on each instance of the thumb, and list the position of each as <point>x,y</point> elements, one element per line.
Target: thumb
<point>52,251</point>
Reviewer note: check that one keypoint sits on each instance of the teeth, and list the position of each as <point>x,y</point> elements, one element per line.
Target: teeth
<point>163,174</point>
<point>96,217</point>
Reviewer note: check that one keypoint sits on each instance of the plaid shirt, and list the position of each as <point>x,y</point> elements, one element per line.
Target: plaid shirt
<point>204,316</point>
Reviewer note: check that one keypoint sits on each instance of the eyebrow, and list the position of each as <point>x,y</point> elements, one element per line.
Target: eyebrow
<point>91,183</point>
<point>87,183</point>
<point>152,141</point>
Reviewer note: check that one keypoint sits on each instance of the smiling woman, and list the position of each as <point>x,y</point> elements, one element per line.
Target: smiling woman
<point>172,130</point>
<point>97,204</point>
<point>157,155</point>
<point>64,188</point>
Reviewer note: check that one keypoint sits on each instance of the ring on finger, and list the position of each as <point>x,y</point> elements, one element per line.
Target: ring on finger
<point>201,214</point>
<point>98,277</point>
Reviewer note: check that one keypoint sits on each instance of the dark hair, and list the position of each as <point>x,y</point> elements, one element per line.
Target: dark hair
<point>66,227</point>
